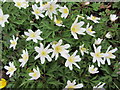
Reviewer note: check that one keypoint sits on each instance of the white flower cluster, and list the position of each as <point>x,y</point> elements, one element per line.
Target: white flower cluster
<point>51,9</point>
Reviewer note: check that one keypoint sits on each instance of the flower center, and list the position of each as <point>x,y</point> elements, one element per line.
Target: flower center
<point>65,11</point>
<point>18,3</point>
<point>25,57</point>
<point>32,35</point>
<point>43,53</point>
<point>93,69</point>
<point>71,59</point>
<point>37,11</point>
<point>35,74</point>
<point>58,21</point>
<point>1,18</point>
<point>58,49</point>
<point>74,28</point>
<point>83,49</point>
<point>98,55</point>
<point>13,42</point>
<point>90,30</point>
<point>93,18</point>
<point>51,8</point>
<point>70,86</point>
<point>11,69</point>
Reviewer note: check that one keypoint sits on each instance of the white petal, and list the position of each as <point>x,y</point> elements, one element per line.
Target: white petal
<point>79,86</point>
<point>66,46</point>
<point>26,33</point>
<point>74,35</point>
<point>35,40</point>
<point>48,58</point>
<point>70,67</point>
<point>56,56</point>
<point>113,50</point>
<point>81,23</point>
<point>37,56</point>
<point>75,53</point>
<point>76,65</point>
<point>42,60</point>
<point>108,61</point>
<point>37,49</point>
<point>67,63</point>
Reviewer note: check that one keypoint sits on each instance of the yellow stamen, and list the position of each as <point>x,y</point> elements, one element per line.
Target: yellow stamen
<point>43,53</point>
<point>58,49</point>
<point>74,28</point>
<point>58,21</point>
<point>25,57</point>
<point>93,18</point>
<point>65,11</point>
<point>32,35</point>
<point>11,69</point>
<point>92,69</point>
<point>51,8</point>
<point>83,49</point>
<point>18,3</point>
<point>13,42</point>
<point>70,86</point>
<point>35,74</point>
<point>71,59</point>
<point>98,55</point>
<point>37,11</point>
<point>90,30</point>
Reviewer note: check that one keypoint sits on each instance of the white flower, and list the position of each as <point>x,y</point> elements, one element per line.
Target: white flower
<point>108,35</point>
<point>89,30</point>
<point>109,54</point>
<point>60,49</point>
<point>113,17</point>
<point>51,9</point>
<point>93,70</point>
<point>81,16</point>
<point>25,4</point>
<point>71,85</point>
<point>72,60</point>
<point>13,42</point>
<point>93,18</point>
<point>99,87</point>
<point>58,22</point>
<point>43,53</point>
<point>24,58</point>
<point>83,49</point>
<point>35,75</point>
<point>65,11</point>
<point>11,69</point>
<point>76,28</point>
<point>37,11</point>
<point>98,41</point>
<point>97,56</point>
<point>86,3</point>
<point>3,18</point>
<point>21,3</point>
<point>33,35</point>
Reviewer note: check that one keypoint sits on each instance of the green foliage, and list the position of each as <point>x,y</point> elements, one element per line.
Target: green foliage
<point>54,74</point>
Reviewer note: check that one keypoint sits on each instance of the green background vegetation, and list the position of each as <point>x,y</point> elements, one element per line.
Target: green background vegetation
<point>54,74</point>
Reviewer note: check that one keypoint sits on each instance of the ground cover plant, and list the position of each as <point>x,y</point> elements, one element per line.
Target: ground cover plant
<point>60,45</point>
